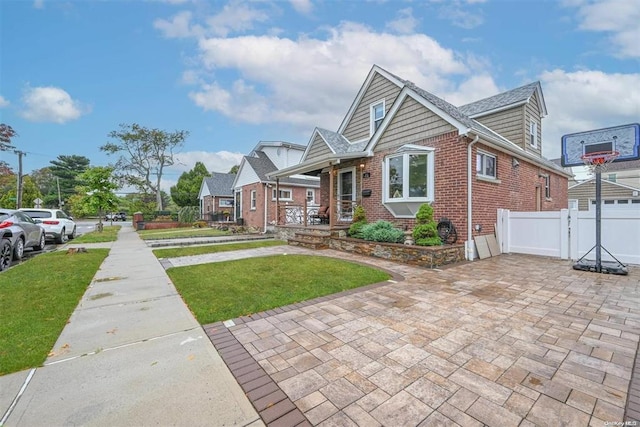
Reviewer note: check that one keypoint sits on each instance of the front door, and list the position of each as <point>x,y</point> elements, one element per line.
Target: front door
<point>346,193</point>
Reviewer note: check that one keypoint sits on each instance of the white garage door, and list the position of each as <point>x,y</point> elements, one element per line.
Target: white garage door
<point>617,204</point>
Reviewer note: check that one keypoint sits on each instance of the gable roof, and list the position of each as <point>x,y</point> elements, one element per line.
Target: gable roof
<point>220,184</point>
<point>624,166</point>
<point>592,181</point>
<point>262,165</point>
<point>341,147</point>
<point>504,100</point>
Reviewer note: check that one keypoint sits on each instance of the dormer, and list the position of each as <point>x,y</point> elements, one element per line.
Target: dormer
<point>516,115</point>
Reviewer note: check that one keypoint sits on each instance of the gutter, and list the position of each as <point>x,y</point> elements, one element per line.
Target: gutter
<point>469,245</point>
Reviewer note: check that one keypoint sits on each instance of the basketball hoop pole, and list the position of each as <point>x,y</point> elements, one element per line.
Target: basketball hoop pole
<point>598,265</point>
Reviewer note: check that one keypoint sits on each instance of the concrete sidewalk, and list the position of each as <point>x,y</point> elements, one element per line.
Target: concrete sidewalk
<point>132,354</point>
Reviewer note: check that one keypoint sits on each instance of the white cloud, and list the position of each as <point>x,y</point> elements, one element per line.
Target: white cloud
<point>302,6</point>
<point>38,4</point>
<point>405,22</point>
<point>586,100</point>
<point>619,18</point>
<point>235,17</point>
<point>461,15</point>
<point>50,104</point>
<point>220,161</point>
<point>3,102</point>
<point>179,26</point>
<point>311,82</point>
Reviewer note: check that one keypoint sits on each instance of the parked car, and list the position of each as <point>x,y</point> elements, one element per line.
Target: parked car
<point>6,249</point>
<point>57,225</point>
<point>118,216</point>
<point>25,233</point>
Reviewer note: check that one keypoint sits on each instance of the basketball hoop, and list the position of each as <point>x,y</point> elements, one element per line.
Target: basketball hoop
<point>599,161</point>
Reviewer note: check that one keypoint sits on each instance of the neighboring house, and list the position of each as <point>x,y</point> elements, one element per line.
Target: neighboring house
<point>399,147</point>
<point>216,197</point>
<point>255,193</point>
<point>613,195</point>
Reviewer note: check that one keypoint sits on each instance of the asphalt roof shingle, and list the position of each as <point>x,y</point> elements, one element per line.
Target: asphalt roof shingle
<point>220,184</point>
<point>501,100</point>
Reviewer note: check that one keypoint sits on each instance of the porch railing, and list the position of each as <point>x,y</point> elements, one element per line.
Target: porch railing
<point>344,210</point>
<point>297,214</point>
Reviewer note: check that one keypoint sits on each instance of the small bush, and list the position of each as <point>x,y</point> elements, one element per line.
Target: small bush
<point>382,231</point>
<point>359,214</point>
<point>355,230</point>
<point>199,224</point>
<point>425,232</point>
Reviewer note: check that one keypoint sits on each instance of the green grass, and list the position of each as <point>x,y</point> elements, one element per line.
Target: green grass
<point>37,298</point>
<point>172,233</point>
<point>210,249</point>
<point>225,290</point>
<point>109,234</point>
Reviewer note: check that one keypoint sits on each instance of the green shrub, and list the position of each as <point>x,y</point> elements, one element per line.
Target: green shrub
<point>200,224</point>
<point>188,214</point>
<point>425,232</point>
<point>359,214</point>
<point>382,231</point>
<point>355,230</point>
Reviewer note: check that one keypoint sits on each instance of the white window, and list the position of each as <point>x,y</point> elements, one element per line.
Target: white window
<point>253,200</point>
<point>612,177</point>
<point>533,134</point>
<point>547,186</point>
<point>284,194</point>
<point>409,177</point>
<point>486,165</point>
<point>376,114</point>
<point>311,195</point>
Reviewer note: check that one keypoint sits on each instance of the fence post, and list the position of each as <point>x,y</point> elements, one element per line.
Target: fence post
<point>564,233</point>
<point>502,230</point>
<point>573,234</point>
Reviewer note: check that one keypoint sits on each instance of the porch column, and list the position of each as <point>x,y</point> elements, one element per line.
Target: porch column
<point>332,201</point>
<point>304,210</point>
<point>277,201</point>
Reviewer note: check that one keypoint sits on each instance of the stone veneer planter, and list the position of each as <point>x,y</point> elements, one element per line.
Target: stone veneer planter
<point>424,256</point>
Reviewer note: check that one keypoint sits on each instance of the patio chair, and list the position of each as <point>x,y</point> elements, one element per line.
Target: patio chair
<point>322,215</point>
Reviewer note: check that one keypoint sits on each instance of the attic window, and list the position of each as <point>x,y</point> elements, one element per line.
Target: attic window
<point>533,134</point>
<point>376,115</point>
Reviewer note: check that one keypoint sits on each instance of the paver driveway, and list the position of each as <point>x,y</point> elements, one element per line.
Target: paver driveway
<point>511,340</point>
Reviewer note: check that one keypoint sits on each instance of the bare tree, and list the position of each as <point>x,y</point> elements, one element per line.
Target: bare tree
<point>144,154</point>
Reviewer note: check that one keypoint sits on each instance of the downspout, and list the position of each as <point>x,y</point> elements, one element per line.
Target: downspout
<point>469,245</point>
<point>266,191</point>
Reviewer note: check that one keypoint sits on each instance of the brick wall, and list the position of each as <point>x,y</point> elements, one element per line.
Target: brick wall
<point>515,188</point>
<point>255,218</point>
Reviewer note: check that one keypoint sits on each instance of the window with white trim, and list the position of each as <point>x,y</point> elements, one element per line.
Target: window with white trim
<point>409,177</point>
<point>376,115</point>
<point>533,134</point>
<point>311,195</point>
<point>486,165</point>
<point>612,177</point>
<point>547,186</point>
<point>284,195</point>
<point>253,200</point>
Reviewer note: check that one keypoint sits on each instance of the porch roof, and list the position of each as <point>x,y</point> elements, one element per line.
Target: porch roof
<point>316,166</point>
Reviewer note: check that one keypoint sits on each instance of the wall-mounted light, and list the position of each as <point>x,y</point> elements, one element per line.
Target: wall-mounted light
<point>478,227</point>
<point>361,165</point>
<point>515,162</point>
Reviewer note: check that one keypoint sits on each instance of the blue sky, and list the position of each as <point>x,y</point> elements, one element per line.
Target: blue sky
<point>234,73</point>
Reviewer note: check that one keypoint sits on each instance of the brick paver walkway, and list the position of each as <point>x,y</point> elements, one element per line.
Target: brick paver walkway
<point>507,341</point>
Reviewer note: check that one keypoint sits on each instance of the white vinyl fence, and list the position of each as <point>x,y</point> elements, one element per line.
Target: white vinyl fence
<point>569,234</point>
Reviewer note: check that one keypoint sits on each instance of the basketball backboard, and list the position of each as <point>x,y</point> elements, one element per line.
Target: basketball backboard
<point>624,139</point>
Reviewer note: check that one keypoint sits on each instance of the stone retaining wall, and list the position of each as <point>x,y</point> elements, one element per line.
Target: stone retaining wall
<point>424,256</point>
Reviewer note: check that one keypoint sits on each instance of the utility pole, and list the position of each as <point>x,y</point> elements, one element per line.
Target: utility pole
<point>59,199</point>
<point>19,189</point>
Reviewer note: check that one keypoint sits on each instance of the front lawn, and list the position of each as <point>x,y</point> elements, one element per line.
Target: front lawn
<point>172,233</point>
<point>226,290</point>
<point>37,298</point>
<point>109,234</point>
<point>219,247</point>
